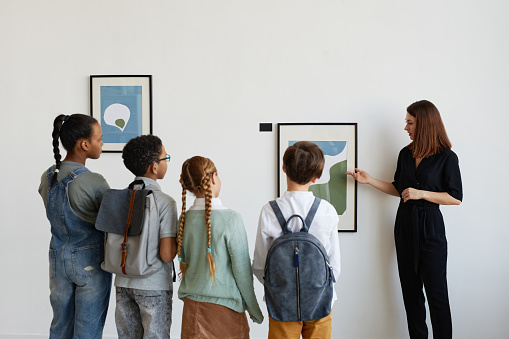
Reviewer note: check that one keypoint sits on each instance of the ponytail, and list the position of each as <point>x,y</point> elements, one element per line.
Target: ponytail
<point>57,126</point>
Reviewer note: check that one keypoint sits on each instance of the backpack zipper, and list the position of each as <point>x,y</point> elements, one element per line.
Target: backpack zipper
<point>296,264</point>
<point>330,270</point>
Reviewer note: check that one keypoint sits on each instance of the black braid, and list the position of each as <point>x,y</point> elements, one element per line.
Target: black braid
<point>57,125</point>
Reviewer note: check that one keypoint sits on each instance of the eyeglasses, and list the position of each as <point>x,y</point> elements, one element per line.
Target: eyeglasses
<point>167,158</point>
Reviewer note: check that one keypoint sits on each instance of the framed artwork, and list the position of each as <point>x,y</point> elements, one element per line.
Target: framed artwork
<point>123,106</point>
<point>338,141</point>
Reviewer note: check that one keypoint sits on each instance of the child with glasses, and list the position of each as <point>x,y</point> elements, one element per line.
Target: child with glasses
<point>144,305</point>
<point>217,281</point>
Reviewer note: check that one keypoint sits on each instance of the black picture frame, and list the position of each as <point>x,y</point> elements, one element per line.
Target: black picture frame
<point>122,104</point>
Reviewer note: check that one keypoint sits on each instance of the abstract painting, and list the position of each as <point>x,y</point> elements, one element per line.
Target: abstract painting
<point>123,106</point>
<point>338,141</point>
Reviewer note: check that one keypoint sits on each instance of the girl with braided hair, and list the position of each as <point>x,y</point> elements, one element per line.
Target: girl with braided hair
<point>79,288</point>
<point>217,281</point>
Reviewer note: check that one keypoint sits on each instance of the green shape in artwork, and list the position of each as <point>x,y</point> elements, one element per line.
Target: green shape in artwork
<point>120,123</point>
<point>335,190</point>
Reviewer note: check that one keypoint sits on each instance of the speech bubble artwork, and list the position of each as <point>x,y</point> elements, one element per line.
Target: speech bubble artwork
<point>117,115</point>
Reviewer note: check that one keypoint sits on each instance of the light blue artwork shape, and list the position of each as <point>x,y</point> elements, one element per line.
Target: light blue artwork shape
<point>121,113</point>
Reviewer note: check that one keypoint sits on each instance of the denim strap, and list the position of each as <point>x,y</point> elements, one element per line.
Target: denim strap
<point>74,174</point>
<point>279,216</point>
<point>312,212</point>
<point>51,172</point>
<point>49,175</point>
<point>305,223</point>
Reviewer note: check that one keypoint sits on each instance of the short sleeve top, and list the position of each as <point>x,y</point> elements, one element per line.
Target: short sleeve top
<point>437,173</point>
<point>85,192</point>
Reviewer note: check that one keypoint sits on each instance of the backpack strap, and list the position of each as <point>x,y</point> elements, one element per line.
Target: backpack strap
<point>136,183</point>
<point>311,214</point>
<point>305,223</point>
<point>304,227</point>
<point>124,244</point>
<point>279,216</point>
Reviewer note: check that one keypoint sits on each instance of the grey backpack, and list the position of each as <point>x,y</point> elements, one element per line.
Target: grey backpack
<point>130,220</point>
<point>298,278</point>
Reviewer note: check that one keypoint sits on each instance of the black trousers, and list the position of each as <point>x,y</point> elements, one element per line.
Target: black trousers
<point>421,248</point>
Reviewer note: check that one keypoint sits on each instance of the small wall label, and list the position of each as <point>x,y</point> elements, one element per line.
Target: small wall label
<point>265,127</point>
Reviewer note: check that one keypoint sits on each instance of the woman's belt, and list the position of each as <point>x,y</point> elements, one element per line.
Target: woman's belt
<point>418,211</point>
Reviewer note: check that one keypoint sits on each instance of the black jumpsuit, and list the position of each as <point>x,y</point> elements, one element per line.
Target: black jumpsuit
<point>421,245</point>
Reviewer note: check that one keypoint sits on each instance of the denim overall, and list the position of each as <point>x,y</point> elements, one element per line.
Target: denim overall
<point>80,289</point>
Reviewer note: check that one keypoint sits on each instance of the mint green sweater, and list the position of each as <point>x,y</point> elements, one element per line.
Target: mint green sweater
<point>233,287</point>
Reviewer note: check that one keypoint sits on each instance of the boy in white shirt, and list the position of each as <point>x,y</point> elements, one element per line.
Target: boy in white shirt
<point>303,164</point>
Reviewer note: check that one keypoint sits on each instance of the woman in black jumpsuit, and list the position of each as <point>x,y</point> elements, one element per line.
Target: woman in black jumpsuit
<point>427,176</point>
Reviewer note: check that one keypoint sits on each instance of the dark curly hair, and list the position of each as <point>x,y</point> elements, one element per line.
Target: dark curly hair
<point>140,152</point>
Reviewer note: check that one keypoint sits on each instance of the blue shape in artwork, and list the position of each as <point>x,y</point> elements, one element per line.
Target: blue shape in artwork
<point>331,148</point>
<point>129,96</point>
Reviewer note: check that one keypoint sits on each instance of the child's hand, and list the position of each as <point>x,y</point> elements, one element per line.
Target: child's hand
<point>255,321</point>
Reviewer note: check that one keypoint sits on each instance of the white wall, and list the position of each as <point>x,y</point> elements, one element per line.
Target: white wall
<point>219,69</point>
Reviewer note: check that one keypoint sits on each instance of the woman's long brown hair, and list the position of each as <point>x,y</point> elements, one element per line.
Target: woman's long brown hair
<point>430,135</point>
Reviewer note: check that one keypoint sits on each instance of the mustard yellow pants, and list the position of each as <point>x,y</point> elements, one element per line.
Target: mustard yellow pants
<point>315,329</point>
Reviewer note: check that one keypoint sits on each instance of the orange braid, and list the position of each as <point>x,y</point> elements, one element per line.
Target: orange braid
<point>182,265</point>
<point>208,210</point>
